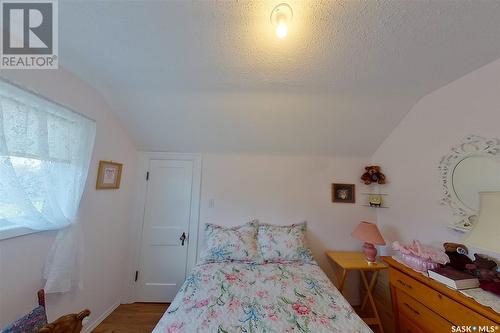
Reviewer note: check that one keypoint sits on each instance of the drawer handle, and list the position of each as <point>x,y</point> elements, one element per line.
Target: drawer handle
<point>412,309</point>
<point>404,284</point>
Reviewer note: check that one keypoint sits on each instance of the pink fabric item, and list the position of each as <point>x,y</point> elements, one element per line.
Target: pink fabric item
<point>369,233</point>
<point>423,251</point>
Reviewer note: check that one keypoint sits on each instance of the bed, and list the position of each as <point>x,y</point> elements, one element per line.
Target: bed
<point>235,297</point>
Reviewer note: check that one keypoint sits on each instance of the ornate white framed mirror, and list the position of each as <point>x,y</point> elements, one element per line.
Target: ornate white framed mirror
<point>471,167</point>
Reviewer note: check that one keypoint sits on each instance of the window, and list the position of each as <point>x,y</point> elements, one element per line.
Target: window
<point>45,151</point>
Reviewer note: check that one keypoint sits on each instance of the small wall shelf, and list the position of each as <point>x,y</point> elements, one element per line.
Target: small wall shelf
<point>365,205</point>
<point>370,192</point>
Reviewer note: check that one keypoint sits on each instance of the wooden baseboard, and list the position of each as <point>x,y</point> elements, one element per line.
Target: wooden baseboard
<point>87,328</point>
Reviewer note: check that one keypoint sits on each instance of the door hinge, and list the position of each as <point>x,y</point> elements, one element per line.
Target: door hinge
<point>147,175</point>
<point>136,275</point>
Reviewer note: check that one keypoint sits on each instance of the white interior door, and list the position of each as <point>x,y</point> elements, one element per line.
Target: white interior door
<point>167,214</point>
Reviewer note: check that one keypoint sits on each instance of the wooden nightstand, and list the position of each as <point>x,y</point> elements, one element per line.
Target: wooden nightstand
<point>343,262</point>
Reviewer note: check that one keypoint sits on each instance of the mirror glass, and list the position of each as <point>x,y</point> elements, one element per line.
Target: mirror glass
<point>475,174</point>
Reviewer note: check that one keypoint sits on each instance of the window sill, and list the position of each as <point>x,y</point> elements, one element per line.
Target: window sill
<point>15,232</point>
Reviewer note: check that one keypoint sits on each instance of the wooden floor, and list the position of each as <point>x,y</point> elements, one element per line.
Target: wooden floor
<point>137,318</point>
<point>132,318</point>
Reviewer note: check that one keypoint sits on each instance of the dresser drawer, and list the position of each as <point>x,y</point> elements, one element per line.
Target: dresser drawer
<point>421,315</point>
<point>449,309</point>
<point>407,326</point>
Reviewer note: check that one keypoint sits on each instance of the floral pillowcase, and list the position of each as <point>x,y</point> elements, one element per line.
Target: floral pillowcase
<point>231,244</point>
<point>284,243</point>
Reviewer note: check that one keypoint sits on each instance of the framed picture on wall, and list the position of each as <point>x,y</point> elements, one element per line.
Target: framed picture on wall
<point>343,193</point>
<point>109,175</point>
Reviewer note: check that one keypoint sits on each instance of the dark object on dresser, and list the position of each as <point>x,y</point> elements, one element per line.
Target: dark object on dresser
<point>492,287</point>
<point>458,255</point>
<point>484,269</point>
<point>482,262</point>
<point>454,278</point>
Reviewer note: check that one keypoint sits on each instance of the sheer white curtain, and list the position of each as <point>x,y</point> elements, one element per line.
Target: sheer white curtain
<point>45,151</point>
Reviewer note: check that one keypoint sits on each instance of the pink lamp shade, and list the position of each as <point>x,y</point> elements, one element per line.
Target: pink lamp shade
<point>369,233</point>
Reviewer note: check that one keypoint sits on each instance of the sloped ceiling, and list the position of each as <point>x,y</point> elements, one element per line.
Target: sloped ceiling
<point>210,76</point>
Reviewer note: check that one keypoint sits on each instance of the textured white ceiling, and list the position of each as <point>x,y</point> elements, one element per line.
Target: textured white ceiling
<point>210,76</point>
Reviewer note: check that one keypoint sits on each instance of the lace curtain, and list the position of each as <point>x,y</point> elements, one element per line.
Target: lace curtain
<point>45,151</point>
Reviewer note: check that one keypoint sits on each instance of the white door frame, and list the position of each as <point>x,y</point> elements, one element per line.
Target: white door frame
<point>140,202</point>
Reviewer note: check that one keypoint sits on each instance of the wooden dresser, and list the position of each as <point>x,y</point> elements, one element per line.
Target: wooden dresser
<point>424,305</point>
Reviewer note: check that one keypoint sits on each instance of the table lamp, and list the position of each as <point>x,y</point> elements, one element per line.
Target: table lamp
<point>369,233</point>
<point>486,232</point>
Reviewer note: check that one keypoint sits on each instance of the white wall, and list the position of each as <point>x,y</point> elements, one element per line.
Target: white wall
<point>275,189</point>
<point>411,154</point>
<point>105,215</point>
<point>285,190</point>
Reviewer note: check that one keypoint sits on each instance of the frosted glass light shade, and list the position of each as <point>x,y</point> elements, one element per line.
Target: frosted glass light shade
<point>486,233</point>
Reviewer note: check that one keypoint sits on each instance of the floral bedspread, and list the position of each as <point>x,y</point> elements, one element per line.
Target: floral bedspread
<point>240,297</point>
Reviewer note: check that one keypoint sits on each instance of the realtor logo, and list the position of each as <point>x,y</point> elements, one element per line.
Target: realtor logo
<point>29,34</point>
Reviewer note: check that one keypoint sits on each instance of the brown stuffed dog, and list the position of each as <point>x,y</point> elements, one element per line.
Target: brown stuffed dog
<point>71,323</point>
<point>373,175</point>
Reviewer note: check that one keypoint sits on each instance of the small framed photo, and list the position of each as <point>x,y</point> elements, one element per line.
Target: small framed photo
<point>109,175</point>
<point>343,193</point>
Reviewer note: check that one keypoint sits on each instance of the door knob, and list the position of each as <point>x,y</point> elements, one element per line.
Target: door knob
<point>183,238</point>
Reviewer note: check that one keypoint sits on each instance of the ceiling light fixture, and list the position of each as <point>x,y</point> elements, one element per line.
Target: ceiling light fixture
<point>281,16</point>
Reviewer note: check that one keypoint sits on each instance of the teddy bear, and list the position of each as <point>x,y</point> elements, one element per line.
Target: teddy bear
<point>458,255</point>
<point>373,175</point>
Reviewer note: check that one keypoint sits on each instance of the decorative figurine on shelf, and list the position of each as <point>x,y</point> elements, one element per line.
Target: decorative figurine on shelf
<point>375,200</point>
<point>373,175</point>
<point>458,255</point>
